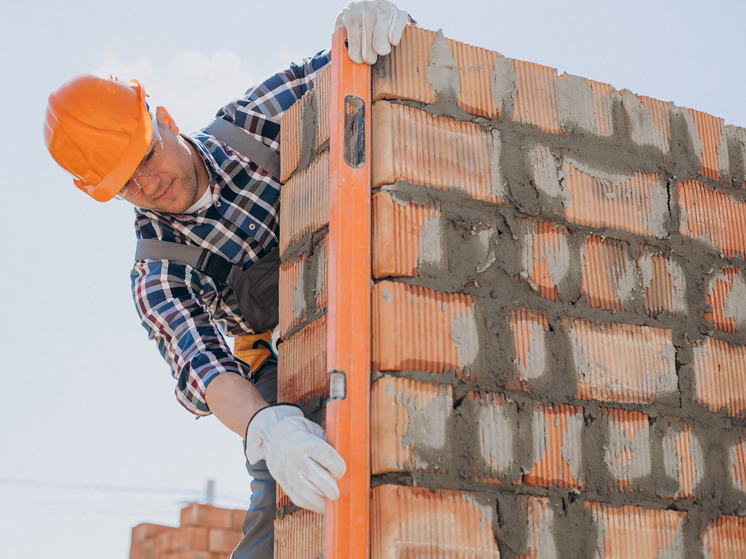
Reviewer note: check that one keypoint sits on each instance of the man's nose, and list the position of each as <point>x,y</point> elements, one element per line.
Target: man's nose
<point>149,183</point>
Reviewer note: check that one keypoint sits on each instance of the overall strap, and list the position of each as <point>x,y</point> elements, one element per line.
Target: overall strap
<point>205,261</point>
<point>238,139</point>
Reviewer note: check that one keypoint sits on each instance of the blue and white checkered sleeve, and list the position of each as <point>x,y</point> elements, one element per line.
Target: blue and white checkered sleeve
<point>175,317</point>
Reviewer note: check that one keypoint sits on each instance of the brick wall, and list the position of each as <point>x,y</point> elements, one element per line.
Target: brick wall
<point>559,313</point>
<point>204,532</point>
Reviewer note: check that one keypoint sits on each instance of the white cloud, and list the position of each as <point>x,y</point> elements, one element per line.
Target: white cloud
<point>192,86</point>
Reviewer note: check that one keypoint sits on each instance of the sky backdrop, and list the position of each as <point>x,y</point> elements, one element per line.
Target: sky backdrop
<point>92,440</point>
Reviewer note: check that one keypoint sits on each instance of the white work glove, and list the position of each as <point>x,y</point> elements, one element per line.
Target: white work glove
<point>373,26</point>
<point>297,455</point>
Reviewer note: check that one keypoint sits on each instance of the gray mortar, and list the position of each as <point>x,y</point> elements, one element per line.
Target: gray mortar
<point>442,75</point>
<point>308,120</point>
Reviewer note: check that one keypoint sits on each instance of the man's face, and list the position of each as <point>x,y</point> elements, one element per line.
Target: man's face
<point>174,187</point>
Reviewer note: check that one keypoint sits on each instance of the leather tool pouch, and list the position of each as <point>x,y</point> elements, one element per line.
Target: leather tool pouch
<point>257,291</point>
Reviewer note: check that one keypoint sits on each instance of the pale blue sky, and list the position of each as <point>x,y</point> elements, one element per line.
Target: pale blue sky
<point>88,400</point>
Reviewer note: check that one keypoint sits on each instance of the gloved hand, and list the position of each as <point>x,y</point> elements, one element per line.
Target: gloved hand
<point>372,27</point>
<point>297,455</point>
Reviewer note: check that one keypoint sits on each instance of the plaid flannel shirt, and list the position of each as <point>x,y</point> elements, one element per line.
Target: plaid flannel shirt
<point>183,310</point>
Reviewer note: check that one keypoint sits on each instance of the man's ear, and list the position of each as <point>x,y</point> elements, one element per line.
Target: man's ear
<point>165,118</point>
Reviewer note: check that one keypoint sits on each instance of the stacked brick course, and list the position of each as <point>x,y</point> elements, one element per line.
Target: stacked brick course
<point>559,313</point>
<point>205,532</point>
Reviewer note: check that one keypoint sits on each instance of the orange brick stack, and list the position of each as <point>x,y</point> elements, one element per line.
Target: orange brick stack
<point>559,313</point>
<point>205,532</point>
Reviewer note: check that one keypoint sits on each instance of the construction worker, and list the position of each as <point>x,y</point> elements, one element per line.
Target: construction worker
<point>206,216</point>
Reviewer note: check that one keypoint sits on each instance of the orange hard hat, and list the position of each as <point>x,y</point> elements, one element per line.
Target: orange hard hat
<point>99,130</point>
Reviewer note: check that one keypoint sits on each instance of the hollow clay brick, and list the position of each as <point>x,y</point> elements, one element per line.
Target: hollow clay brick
<point>637,203</point>
<point>663,284</point>
<point>304,202</point>
<point>290,141</point>
<point>420,329</point>
<point>609,279</point>
<point>224,540</point>
<point>299,535</point>
<point>292,306</point>
<point>530,330</point>
<point>498,435</point>
<point>712,216</point>
<point>726,294</point>
<point>648,120</point>
<point>414,523</point>
<point>541,543</point>
<point>301,368</point>
<point>536,96</point>
<point>627,451</point>
<point>635,532</point>
<point>196,514</point>
<point>622,362</point>
<point>405,236</point>
<point>545,256</point>
<point>145,531</point>
<point>404,74</point>
<point>557,455</point>
<point>291,126</point>
<point>720,376</point>
<point>713,145</point>
<point>437,152</point>
<point>585,106</point>
<point>725,538</point>
<point>323,88</point>
<point>408,423</point>
<point>737,465</point>
<point>683,460</point>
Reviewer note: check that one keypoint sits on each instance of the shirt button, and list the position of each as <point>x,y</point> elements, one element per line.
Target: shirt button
<point>252,226</point>
<point>217,204</point>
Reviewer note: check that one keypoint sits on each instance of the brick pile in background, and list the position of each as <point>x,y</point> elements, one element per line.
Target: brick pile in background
<point>559,312</point>
<point>205,532</point>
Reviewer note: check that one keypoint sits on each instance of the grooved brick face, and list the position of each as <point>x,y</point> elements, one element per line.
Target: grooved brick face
<point>712,145</point>
<point>726,293</point>
<point>712,216</point>
<point>291,125</point>
<point>408,424</point>
<point>585,106</point>
<point>557,459</point>
<point>299,535</point>
<point>627,453</point>
<point>634,532</point>
<point>545,256</point>
<point>622,362</point>
<point>301,368</point>
<point>536,96</point>
<point>683,460</point>
<point>406,72</point>
<point>304,202</point>
<point>410,522</point>
<point>648,120</point>
<point>438,152</point>
<point>725,538</point>
<point>541,542</point>
<point>720,376</point>
<point>530,329</point>
<point>292,307</point>
<point>610,278</point>
<point>637,203</point>
<point>663,284</point>
<point>737,465</point>
<point>498,430</point>
<point>420,329</point>
<point>405,236</point>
